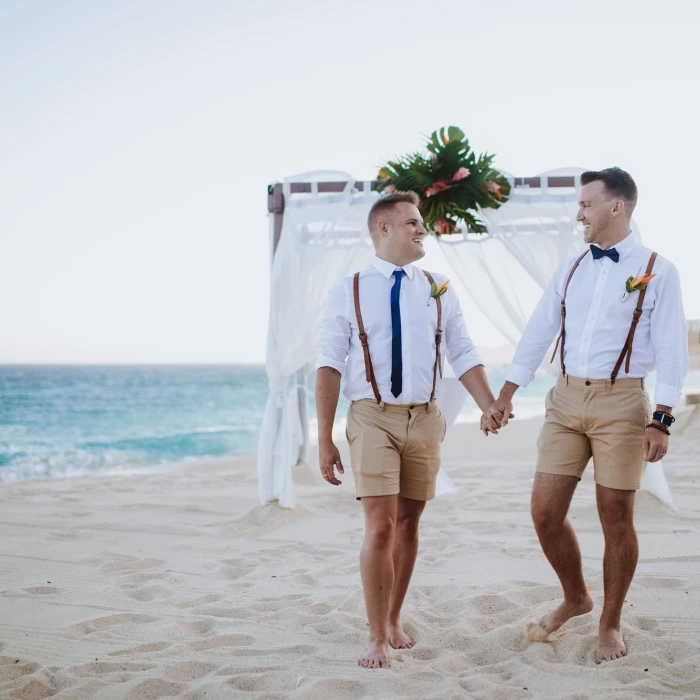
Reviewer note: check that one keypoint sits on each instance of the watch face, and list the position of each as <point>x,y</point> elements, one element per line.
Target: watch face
<point>663,418</point>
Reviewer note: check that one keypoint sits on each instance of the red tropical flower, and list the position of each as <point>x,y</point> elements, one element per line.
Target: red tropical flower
<point>439,186</point>
<point>442,225</point>
<point>494,188</point>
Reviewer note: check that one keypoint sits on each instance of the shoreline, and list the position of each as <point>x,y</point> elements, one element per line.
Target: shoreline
<point>463,421</point>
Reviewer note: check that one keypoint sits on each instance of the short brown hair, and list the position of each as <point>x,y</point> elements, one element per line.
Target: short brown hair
<point>386,202</point>
<point>617,182</point>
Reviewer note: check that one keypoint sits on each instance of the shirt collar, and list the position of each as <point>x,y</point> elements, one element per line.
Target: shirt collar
<point>625,246</point>
<point>387,268</point>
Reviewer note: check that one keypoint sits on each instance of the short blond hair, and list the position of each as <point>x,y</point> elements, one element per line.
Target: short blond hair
<point>387,202</point>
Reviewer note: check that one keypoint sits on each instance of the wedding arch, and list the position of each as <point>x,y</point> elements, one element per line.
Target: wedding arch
<point>318,234</point>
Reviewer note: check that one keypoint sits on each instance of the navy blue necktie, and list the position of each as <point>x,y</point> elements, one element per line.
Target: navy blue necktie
<point>396,366</point>
<point>600,253</point>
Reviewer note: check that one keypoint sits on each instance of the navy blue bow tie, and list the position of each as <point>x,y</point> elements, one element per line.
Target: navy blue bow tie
<point>600,253</point>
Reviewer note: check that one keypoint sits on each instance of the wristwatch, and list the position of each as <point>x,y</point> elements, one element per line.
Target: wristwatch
<point>664,418</point>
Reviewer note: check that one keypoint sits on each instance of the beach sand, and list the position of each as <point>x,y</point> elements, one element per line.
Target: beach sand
<point>177,584</point>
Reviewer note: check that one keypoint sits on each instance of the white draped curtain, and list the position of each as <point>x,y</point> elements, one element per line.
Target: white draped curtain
<point>324,237</point>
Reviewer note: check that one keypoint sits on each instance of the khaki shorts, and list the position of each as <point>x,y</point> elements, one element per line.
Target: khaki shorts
<point>395,449</point>
<point>594,418</point>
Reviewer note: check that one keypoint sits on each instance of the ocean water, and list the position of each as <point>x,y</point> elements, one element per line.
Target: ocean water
<point>73,420</point>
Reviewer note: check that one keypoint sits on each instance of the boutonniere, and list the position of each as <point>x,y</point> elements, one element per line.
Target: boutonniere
<point>438,290</point>
<point>636,284</point>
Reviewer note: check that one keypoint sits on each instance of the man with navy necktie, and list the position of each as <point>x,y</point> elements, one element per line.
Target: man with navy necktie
<point>618,311</point>
<point>385,331</point>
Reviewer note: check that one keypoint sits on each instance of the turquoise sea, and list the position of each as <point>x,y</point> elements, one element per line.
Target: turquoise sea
<point>72,420</point>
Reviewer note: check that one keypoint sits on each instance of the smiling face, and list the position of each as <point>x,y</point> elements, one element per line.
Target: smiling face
<point>602,215</point>
<point>399,234</point>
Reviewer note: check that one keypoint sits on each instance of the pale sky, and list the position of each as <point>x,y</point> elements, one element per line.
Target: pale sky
<point>138,139</point>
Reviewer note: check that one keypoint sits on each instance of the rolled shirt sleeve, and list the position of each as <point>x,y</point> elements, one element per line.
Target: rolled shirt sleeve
<point>334,335</point>
<point>538,334</point>
<point>461,351</point>
<point>669,338</point>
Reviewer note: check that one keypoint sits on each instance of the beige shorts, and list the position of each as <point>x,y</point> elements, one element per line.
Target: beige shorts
<point>395,449</point>
<point>594,418</point>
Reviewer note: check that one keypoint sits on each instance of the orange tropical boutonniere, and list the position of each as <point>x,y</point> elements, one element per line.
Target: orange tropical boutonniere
<point>636,284</point>
<point>437,290</point>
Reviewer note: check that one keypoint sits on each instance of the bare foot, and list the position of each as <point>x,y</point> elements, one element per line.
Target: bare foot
<point>554,620</point>
<point>611,645</point>
<point>399,639</point>
<point>377,656</point>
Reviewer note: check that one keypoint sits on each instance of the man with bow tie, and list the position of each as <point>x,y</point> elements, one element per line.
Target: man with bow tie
<point>383,329</point>
<point>618,311</point>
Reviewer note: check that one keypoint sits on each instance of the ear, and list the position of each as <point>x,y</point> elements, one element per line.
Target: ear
<point>618,207</point>
<point>383,228</point>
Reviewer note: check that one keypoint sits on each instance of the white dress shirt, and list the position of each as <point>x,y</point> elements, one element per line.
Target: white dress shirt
<point>339,339</point>
<point>598,321</point>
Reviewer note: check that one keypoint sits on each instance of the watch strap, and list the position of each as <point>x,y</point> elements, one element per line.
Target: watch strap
<point>663,418</point>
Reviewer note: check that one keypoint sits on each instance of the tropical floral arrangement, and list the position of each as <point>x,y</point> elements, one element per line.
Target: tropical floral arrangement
<point>451,181</point>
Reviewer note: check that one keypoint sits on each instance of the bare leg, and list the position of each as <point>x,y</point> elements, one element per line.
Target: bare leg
<point>551,497</point>
<point>616,511</point>
<point>404,556</point>
<point>377,571</point>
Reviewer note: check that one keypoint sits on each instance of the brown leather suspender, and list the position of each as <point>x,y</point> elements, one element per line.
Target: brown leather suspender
<point>438,337</point>
<point>627,348</point>
<point>562,332</point>
<point>369,370</point>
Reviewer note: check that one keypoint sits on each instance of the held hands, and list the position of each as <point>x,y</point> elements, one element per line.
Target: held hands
<point>329,460</point>
<point>655,444</point>
<point>497,416</point>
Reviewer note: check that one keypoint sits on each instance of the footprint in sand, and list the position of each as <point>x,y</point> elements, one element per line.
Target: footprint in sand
<point>294,652</point>
<point>141,649</point>
<point>202,600</point>
<point>231,573</point>
<point>512,638</point>
<point>275,681</point>
<point>271,605</point>
<point>154,688</point>
<point>130,579</point>
<point>34,690</point>
<point>42,590</point>
<point>243,670</point>
<point>661,582</point>
<point>147,594</point>
<point>242,562</point>
<point>189,670</point>
<point>197,628</point>
<point>228,640</point>
<point>340,687</point>
<point>104,668</point>
<point>227,613</point>
<point>10,670</point>
<point>127,566</point>
<point>98,624</point>
<point>489,604</point>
